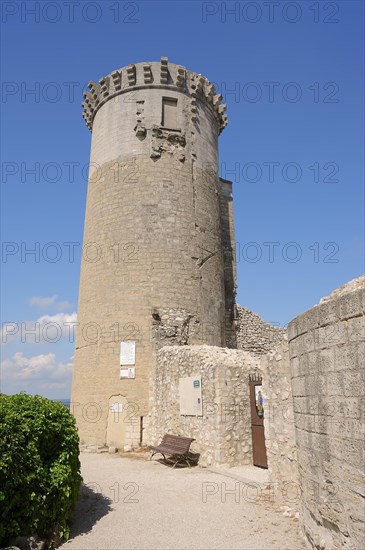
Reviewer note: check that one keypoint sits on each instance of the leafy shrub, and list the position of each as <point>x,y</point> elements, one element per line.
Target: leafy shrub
<point>39,466</point>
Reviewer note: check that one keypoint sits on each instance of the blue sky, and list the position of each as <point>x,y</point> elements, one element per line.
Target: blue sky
<point>292,77</point>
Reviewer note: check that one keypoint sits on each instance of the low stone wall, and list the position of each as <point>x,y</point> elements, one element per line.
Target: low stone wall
<point>279,426</point>
<point>255,335</point>
<point>223,432</point>
<point>327,362</point>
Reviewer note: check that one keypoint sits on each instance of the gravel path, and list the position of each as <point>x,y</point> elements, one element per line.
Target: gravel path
<point>131,503</point>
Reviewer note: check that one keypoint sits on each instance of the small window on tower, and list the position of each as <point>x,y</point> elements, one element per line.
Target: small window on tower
<point>169,113</point>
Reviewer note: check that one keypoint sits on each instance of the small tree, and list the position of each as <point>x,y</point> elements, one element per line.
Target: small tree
<point>39,466</point>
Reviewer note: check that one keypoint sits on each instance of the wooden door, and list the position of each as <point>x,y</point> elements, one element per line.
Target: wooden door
<point>257,421</point>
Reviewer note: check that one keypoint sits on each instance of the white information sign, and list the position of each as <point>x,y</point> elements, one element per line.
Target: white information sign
<point>128,353</point>
<point>190,396</point>
<point>127,372</point>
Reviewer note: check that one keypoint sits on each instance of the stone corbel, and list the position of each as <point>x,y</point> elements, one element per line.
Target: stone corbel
<point>117,80</point>
<point>164,75</point>
<point>180,79</point>
<point>147,74</point>
<point>131,75</point>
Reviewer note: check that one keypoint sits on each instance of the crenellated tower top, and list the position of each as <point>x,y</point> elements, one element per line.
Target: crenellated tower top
<point>161,74</point>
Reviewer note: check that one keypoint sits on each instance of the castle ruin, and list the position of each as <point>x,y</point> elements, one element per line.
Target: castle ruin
<point>157,312</point>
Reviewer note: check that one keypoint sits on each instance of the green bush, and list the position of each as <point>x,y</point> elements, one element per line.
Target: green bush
<point>39,466</point>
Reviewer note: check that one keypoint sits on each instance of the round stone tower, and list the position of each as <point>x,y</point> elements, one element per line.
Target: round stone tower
<point>152,272</point>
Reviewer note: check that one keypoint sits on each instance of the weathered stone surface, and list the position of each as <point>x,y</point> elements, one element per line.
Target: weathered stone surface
<point>158,252</point>
<point>149,76</point>
<point>280,439</point>
<point>223,432</point>
<point>347,288</point>
<point>327,346</point>
<point>255,335</point>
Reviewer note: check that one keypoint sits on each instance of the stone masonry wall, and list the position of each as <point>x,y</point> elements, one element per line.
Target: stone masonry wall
<point>152,268</point>
<point>223,432</point>
<point>279,423</point>
<point>327,362</point>
<point>255,335</point>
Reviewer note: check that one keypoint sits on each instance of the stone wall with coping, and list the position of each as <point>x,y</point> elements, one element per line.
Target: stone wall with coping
<point>223,432</point>
<point>326,346</point>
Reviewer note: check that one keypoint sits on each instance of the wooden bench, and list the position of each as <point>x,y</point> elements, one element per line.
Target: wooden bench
<point>175,446</point>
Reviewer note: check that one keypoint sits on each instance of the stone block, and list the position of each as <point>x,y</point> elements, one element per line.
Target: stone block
<point>326,361</point>
<point>351,304</point>
<point>308,341</point>
<point>295,348</point>
<point>299,386</point>
<point>333,335</point>
<point>302,322</point>
<point>356,329</point>
<point>327,313</point>
<point>353,382</point>
<point>346,357</point>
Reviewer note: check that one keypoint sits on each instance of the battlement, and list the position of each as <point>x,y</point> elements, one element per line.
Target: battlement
<point>154,75</point>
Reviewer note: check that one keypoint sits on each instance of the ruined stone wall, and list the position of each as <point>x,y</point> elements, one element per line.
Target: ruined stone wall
<point>279,426</point>
<point>152,268</point>
<point>327,362</point>
<point>255,335</point>
<point>223,432</point>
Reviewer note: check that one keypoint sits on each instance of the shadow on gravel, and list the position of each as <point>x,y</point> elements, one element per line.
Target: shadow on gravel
<point>91,506</point>
<point>194,459</point>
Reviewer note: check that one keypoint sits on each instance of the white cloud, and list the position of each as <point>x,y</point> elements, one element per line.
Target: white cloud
<point>38,372</point>
<point>24,367</point>
<point>49,302</point>
<point>47,328</point>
